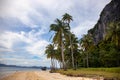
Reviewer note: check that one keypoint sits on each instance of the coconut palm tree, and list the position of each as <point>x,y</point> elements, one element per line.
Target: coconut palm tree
<point>67,18</point>
<point>50,52</point>
<point>86,43</point>
<point>61,33</point>
<point>74,48</point>
<point>113,33</point>
<point>58,56</point>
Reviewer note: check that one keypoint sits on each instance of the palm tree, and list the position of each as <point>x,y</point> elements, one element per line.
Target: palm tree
<point>58,56</point>
<point>74,48</point>
<point>86,43</point>
<point>61,33</point>
<point>113,33</point>
<point>67,18</point>
<point>50,52</point>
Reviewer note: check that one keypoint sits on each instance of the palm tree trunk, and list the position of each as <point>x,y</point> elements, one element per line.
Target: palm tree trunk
<point>63,60</point>
<point>52,64</point>
<point>60,65</point>
<point>84,64</point>
<point>62,52</point>
<point>56,64</point>
<point>87,61</point>
<point>72,57</point>
<point>72,53</point>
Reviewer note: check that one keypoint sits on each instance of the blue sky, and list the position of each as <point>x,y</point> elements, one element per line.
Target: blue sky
<point>24,26</point>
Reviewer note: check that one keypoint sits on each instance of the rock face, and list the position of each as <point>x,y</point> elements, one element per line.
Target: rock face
<point>110,13</point>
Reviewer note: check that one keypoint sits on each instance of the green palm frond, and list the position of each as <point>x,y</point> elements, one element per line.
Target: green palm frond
<point>113,33</point>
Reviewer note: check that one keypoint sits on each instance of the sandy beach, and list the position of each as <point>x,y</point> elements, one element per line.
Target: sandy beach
<point>42,75</point>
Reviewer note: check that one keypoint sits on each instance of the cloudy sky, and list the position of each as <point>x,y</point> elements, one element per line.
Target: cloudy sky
<point>24,26</point>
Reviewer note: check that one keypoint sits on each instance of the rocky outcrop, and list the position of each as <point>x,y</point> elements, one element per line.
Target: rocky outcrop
<point>110,13</point>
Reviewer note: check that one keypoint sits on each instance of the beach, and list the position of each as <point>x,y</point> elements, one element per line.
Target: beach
<point>23,75</point>
<point>42,75</point>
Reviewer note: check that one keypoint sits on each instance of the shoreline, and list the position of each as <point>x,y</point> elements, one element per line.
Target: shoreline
<point>43,75</point>
<point>5,74</point>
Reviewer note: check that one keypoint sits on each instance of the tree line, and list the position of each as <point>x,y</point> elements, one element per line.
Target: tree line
<point>71,52</point>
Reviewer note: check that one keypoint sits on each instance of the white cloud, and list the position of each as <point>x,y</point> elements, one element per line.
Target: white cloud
<point>19,9</point>
<point>37,47</point>
<point>44,10</point>
<point>8,39</point>
<point>82,28</point>
<point>38,15</point>
<point>31,46</point>
<point>31,43</point>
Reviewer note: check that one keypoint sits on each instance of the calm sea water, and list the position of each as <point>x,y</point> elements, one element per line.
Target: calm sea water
<point>4,71</point>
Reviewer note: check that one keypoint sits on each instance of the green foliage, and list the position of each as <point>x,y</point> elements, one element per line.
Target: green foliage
<point>76,53</point>
<point>109,73</point>
<point>113,33</point>
<point>65,41</point>
<point>107,52</point>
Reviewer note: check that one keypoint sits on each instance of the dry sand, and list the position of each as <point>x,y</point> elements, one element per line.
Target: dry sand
<point>42,75</point>
<point>23,76</point>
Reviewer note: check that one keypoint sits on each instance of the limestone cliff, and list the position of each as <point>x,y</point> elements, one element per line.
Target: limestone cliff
<point>110,13</point>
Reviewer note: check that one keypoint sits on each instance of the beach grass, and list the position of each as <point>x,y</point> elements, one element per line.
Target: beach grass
<point>108,73</point>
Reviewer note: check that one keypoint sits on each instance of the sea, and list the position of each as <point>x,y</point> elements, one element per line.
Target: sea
<point>5,71</point>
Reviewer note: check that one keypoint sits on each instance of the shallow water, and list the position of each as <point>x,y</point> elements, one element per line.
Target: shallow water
<point>4,71</point>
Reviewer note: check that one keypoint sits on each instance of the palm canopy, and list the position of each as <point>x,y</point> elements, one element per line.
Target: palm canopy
<point>86,41</point>
<point>49,51</point>
<point>67,18</point>
<point>74,41</point>
<point>113,33</point>
<point>61,31</point>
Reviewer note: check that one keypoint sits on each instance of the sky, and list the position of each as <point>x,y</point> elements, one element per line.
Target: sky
<point>24,26</point>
